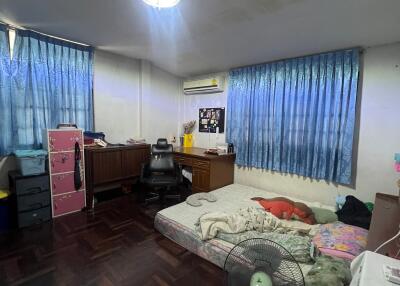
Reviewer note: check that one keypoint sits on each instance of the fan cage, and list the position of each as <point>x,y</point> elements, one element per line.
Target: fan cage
<point>279,264</point>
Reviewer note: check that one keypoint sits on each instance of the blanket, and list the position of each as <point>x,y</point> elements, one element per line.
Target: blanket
<point>251,218</point>
<point>329,271</point>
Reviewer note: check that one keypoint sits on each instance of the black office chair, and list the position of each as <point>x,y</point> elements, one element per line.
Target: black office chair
<point>161,173</point>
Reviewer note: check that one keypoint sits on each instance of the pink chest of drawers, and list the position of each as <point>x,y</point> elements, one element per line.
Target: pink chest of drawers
<point>60,143</point>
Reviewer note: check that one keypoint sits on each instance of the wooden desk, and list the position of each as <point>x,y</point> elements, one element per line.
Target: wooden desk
<point>210,172</point>
<point>384,224</point>
<point>111,165</point>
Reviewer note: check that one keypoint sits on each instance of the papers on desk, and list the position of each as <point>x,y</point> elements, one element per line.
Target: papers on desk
<point>132,141</point>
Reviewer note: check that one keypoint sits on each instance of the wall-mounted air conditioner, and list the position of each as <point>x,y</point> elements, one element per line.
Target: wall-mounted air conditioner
<point>207,85</point>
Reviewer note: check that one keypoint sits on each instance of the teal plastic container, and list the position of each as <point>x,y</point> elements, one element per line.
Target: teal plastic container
<point>31,162</point>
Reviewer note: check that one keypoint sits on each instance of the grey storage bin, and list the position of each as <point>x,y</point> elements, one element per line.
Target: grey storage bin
<point>31,162</point>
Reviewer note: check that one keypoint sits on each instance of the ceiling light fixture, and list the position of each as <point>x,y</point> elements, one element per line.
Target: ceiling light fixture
<point>162,3</point>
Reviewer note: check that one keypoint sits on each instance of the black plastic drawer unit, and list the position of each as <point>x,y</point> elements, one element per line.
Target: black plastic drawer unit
<point>34,217</point>
<point>30,185</point>
<point>34,201</point>
<point>33,198</point>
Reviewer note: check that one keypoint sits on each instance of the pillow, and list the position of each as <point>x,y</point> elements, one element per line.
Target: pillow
<point>194,200</point>
<point>341,240</point>
<point>324,215</point>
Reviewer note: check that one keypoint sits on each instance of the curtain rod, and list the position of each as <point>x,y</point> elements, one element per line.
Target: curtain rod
<point>361,51</point>
<point>15,27</point>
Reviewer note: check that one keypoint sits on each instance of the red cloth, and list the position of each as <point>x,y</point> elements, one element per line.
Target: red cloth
<point>280,209</point>
<point>285,210</point>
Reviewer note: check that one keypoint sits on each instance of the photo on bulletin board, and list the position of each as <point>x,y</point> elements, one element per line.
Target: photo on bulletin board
<point>211,120</point>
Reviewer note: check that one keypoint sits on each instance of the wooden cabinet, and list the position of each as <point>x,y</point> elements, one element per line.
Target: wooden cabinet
<point>209,172</point>
<point>105,166</point>
<point>201,180</point>
<point>132,161</point>
<point>113,165</point>
<point>384,224</point>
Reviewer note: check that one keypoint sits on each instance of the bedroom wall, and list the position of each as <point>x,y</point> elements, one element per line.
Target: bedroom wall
<point>191,106</point>
<point>116,91</point>
<point>140,97</point>
<point>379,136</point>
<point>161,93</point>
<point>134,99</point>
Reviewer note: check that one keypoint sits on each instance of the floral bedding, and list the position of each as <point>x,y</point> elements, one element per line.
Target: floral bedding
<point>341,240</point>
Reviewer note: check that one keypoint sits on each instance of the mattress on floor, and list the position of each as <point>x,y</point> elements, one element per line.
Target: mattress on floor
<point>178,222</point>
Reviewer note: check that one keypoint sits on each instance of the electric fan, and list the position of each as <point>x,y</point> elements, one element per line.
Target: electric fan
<point>262,262</point>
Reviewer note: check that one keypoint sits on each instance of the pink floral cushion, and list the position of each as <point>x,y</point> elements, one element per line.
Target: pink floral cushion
<point>341,240</point>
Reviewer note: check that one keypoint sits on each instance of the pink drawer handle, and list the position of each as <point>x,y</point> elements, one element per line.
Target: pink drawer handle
<point>64,159</point>
<point>51,143</point>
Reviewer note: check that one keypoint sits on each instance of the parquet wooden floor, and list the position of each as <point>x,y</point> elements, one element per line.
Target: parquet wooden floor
<point>114,245</point>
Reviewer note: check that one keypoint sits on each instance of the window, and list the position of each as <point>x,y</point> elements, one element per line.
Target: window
<point>45,82</point>
<point>296,116</point>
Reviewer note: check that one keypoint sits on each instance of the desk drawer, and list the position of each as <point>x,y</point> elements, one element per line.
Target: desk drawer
<point>203,164</point>
<point>183,160</point>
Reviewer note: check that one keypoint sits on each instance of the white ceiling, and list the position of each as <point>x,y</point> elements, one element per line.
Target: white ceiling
<point>202,36</point>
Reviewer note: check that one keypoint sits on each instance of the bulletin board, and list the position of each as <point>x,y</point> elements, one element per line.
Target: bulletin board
<point>212,118</point>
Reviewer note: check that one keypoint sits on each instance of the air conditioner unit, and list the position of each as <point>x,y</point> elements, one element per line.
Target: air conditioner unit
<point>207,85</point>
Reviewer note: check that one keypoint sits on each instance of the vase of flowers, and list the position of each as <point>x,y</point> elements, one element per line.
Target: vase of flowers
<point>188,136</point>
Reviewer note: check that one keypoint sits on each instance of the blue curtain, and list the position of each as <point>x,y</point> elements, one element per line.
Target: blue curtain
<point>5,93</point>
<point>51,83</point>
<point>296,116</point>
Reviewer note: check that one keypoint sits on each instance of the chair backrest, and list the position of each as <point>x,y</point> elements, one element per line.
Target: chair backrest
<point>162,158</point>
<point>162,147</point>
